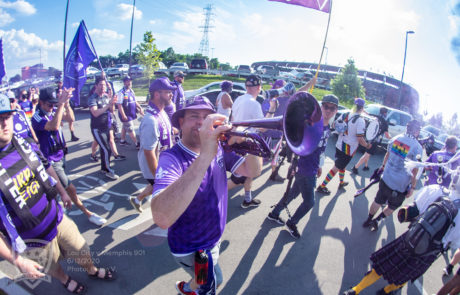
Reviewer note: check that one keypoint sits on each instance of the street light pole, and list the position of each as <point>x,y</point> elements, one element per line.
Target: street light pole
<point>404,65</point>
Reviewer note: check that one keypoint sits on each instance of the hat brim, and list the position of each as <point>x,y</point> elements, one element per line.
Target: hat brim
<point>180,113</point>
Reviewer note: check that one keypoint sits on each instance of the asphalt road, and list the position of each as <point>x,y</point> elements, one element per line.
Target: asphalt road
<point>257,255</point>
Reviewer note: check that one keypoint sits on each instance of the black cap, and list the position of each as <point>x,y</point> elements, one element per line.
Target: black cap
<point>48,95</point>
<point>126,78</point>
<point>253,80</point>
<point>331,98</point>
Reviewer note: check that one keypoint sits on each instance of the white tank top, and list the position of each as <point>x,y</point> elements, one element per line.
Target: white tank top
<point>220,108</point>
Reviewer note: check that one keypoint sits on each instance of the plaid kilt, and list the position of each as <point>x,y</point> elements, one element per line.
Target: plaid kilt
<point>397,264</point>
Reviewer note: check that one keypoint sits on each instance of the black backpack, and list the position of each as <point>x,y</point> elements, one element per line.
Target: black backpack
<point>424,236</point>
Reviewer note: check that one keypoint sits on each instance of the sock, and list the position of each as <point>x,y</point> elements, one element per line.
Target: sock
<point>341,175</point>
<point>380,217</point>
<point>187,287</point>
<point>370,278</point>
<point>392,287</point>
<point>137,201</point>
<point>247,196</point>
<point>328,178</point>
<point>71,133</point>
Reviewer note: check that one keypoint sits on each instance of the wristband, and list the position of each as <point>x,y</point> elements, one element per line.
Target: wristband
<point>271,112</point>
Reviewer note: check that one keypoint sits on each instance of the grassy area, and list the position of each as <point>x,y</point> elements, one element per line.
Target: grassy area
<point>141,85</point>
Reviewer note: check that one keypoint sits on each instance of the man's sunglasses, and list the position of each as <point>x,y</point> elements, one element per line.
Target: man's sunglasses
<point>330,108</point>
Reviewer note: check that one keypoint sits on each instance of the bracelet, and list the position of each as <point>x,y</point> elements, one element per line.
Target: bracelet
<point>271,112</point>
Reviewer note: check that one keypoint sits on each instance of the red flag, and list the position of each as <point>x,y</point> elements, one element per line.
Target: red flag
<point>321,5</point>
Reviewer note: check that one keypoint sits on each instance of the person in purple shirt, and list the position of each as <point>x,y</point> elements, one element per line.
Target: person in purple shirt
<point>21,123</point>
<point>442,156</point>
<point>47,125</point>
<point>190,191</point>
<point>30,216</point>
<point>178,98</point>
<point>308,170</point>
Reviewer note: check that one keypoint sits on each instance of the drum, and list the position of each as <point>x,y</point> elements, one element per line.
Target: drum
<point>372,130</point>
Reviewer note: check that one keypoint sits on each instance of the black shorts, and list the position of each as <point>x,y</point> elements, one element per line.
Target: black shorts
<point>373,149</point>
<point>150,181</point>
<point>387,195</point>
<point>238,179</point>
<point>341,159</point>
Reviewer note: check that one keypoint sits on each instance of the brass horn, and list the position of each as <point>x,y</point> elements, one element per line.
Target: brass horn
<point>302,124</point>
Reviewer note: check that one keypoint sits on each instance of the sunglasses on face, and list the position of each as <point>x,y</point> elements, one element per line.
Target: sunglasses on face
<point>329,108</point>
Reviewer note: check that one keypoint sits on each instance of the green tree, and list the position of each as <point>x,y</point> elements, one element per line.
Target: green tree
<point>346,85</point>
<point>15,78</point>
<point>148,55</point>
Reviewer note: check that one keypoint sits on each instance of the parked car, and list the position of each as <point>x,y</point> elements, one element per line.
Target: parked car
<point>178,66</point>
<point>136,70</point>
<point>267,70</point>
<point>118,70</point>
<point>213,86</point>
<point>397,120</point>
<point>86,89</point>
<point>92,72</point>
<point>198,65</point>
<point>212,95</point>
<point>241,69</point>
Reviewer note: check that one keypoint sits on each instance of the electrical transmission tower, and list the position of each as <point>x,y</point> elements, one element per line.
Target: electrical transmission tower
<point>204,44</point>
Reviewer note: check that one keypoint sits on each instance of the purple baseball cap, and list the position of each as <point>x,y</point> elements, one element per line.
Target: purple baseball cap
<point>162,83</point>
<point>195,103</point>
<point>278,84</point>
<point>360,102</point>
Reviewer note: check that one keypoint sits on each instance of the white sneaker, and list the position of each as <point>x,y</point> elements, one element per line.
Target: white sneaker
<point>110,175</point>
<point>97,220</point>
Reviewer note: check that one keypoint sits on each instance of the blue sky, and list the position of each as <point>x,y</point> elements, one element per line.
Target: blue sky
<point>370,31</point>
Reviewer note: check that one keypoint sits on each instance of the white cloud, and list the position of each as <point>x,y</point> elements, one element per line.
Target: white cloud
<point>153,22</point>
<point>23,49</point>
<point>5,18</point>
<point>125,11</point>
<point>105,34</point>
<point>20,6</point>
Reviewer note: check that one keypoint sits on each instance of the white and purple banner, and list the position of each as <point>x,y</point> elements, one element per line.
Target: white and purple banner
<point>321,5</point>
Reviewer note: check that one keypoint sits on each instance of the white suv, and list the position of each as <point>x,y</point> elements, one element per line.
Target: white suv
<point>397,120</point>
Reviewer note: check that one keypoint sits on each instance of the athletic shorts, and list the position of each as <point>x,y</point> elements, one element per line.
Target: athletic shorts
<point>128,126</point>
<point>387,195</point>
<point>341,159</point>
<point>372,150</point>
<point>59,167</point>
<point>238,179</point>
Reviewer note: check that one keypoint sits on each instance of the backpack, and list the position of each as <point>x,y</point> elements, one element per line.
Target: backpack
<point>424,236</point>
<point>341,124</point>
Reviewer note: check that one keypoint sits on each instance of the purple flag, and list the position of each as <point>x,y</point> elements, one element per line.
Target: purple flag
<point>321,5</point>
<point>81,54</point>
<point>2,63</point>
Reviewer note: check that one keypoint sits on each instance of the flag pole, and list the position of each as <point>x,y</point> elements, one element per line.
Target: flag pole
<point>324,45</point>
<point>98,60</point>
<point>131,37</point>
<point>65,33</point>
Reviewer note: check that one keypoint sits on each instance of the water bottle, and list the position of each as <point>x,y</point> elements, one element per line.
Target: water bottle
<point>201,267</point>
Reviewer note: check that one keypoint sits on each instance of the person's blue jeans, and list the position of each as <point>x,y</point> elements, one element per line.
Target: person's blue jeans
<point>302,184</point>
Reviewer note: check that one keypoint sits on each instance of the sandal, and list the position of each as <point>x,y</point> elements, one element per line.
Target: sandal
<point>108,276</point>
<point>79,288</point>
